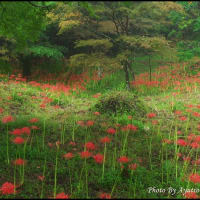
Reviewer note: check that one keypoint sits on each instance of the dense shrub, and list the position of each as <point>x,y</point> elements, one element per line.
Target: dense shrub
<point>118,102</point>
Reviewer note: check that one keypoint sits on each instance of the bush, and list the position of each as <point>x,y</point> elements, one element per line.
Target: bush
<point>118,102</point>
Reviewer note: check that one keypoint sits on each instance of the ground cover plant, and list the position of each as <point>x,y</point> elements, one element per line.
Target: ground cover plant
<point>99,100</point>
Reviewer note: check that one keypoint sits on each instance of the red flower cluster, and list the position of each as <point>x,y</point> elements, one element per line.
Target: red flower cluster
<point>68,155</point>
<point>123,159</point>
<point>195,178</point>
<point>62,195</point>
<point>104,196</point>
<point>183,118</point>
<point>98,158</point>
<point>81,123</point>
<point>105,140</point>
<point>7,119</point>
<point>111,131</point>
<point>151,115</point>
<point>133,166</point>
<point>129,127</point>
<point>191,195</point>
<point>33,120</point>
<point>181,142</point>
<point>7,188</point>
<point>19,140</point>
<point>90,146</point>
<point>85,154</point>
<point>23,130</point>
<point>89,123</point>
<point>1,110</point>
<point>19,162</point>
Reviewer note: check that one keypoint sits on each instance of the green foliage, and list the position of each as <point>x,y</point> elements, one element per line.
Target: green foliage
<point>42,51</point>
<point>188,49</point>
<point>21,21</point>
<point>95,45</point>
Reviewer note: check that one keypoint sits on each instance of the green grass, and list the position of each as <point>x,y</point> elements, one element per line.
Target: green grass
<point>157,164</point>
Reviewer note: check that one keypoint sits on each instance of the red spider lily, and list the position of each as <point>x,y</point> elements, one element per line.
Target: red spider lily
<point>34,97</point>
<point>72,143</point>
<point>81,123</point>
<point>117,125</point>
<point>111,131</point>
<point>26,130</point>
<point>178,112</point>
<point>194,145</point>
<point>97,95</point>
<point>7,188</point>
<point>98,158</point>
<point>89,123</point>
<point>33,120</point>
<point>9,98</point>
<point>183,118</point>
<point>62,195</point>
<point>85,154</point>
<point>151,115</point>
<point>105,140</point>
<point>7,119</point>
<point>41,178</point>
<point>181,142</point>
<point>104,196</point>
<point>19,161</point>
<point>130,117</point>
<point>196,162</point>
<point>165,140</point>
<point>133,166</point>
<point>198,106</point>
<point>90,146</point>
<point>195,178</point>
<point>131,127</point>
<point>50,144</point>
<point>186,158</point>
<point>16,131</point>
<point>56,106</point>
<point>42,105</point>
<point>189,106</point>
<point>179,155</point>
<point>123,159</point>
<point>19,140</point>
<point>197,138</point>
<point>34,127</point>
<point>68,155</point>
<point>191,136</point>
<point>196,114</point>
<point>179,132</point>
<point>191,195</point>
<point>1,110</point>
<point>188,110</point>
<point>96,113</point>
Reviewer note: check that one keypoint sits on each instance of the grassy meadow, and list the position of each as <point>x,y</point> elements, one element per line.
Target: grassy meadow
<point>88,140</point>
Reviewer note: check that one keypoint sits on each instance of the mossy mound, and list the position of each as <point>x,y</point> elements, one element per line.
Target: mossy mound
<point>118,102</point>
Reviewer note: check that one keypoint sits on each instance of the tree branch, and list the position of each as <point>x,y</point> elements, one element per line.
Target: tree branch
<point>46,7</point>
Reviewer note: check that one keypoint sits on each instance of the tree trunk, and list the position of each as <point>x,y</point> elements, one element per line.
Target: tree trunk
<point>26,66</point>
<point>131,70</point>
<point>125,67</point>
<point>149,69</point>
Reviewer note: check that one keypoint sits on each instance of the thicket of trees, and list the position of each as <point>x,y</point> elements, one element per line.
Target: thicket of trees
<point>105,35</point>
